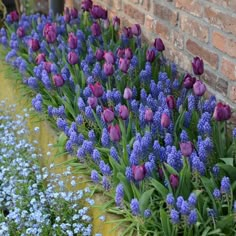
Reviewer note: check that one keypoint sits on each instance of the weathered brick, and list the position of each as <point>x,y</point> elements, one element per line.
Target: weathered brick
<point>208,56</point>
<point>233,95</point>
<point>230,4</point>
<point>194,28</point>
<point>191,6</point>
<point>177,38</point>
<point>163,31</point>
<point>222,86</point>
<point>228,68</point>
<point>224,43</point>
<point>224,21</point>
<point>165,13</point>
<point>145,4</point>
<point>134,1</point>
<point>209,78</point>
<point>149,23</point>
<point>134,13</point>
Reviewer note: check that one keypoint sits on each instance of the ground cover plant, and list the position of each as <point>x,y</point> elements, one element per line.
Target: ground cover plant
<point>144,133</point>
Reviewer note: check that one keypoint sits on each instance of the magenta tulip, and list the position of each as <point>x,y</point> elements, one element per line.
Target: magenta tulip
<point>14,16</point>
<point>127,31</point>
<point>120,52</point>
<point>50,32</point>
<point>34,44</point>
<point>123,112</point>
<point>114,133</point>
<point>66,15</point>
<point>58,80</point>
<point>40,58</point>
<point>98,12</point>
<point>108,69</point>
<point>86,5</point>
<point>127,93</point>
<point>20,32</point>
<point>222,112</point>
<point>170,100</point>
<point>174,181</point>
<point>189,81</point>
<point>109,57</point>
<point>128,53</point>
<point>198,66</point>
<point>159,45</point>
<point>96,29</point>
<point>124,64</point>
<point>136,29</point>
<point>72,58</point>
<point>47,66</point>
<point>108,115</point>
<point>97,89</point>
<point>92,101</point>
<point>199,88</point>
<point>165,120</point>
<point>148,116</point>
<point>72,41</point>
<point>139,172</point>
<point>99,54</point>
<point>150,55</point>
<point>74,13</point>
<point>186,148</point>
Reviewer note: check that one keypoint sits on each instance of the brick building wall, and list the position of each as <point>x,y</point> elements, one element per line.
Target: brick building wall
<point>206,28</point>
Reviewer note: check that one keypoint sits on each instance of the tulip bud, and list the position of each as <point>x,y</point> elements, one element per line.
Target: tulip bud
<point>58,80</point>
<point>165,120</point>
<point>74,13</point>
<point>124,64</point>
<point>139,172</point>
<point>128,53</point>
<point>106,23</point>
<point>34,44</point>
<point>127,32</point>
<point>66,15</point>
<point>174,181</point>
<point>136,29</point>
<point>159,45</point>
<point>96,29</point>
<point>47,66</point>
<point>150,55</point>
<point>98,12</point>
<point>148,115</point>
<point>189,81</point>
<point>170,100</point>
<point>20,32</point>
<point>86,5</point>
<point>199,88</point>
<point>108,69</point>
<point>92,101</point>
<point>222,112</point>
<point>186,148</point>
<point>72,58</point>
<point>120,52</point>
<point>108,115</point>
<point>97,89</point>
<point>40,58</point>
<point>127,93</point>
<point>99,54</point>
<point>116,23</point>
<point>160,173</point>
<point>72,41</point>
<point>114,133</point>
<point>198,66</point>
<point>123,112</point>
<point>109,57</point>
<point>14,16</point>
<point>50,32</point>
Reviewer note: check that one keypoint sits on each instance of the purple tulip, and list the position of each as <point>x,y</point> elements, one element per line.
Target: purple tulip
<point>99,54</point>
<point>109,57</point>
<point>186,148</point>
<point>14,16</point>
<point>139,172</point>
<point>58,80</point>
<point>92,101</point>
<point>20,32</point>
<point>97,89</point>
<point>66,15</point>
<point>116,23</point>
<point>106,23</point>
<point>96,29</point>
<point>47,66</point>
<point>120,52</point>
<point>108,115</point>
<point>170,100</point>
<point>128,53</point>
<point>34,44</point>
<point>148,116</point>
<point>199,88</point>
<point>72,41</point>
<point>136,29</point>
<point>114,133</point>
<point>150,55</point>
<point>165,120</point>
<point>98,12</point>
<point>108,69</point>
<point>174,181</point>
<point>160,173</point>
<point>123,112</point>
<point>72,58</point>
<point>40,58</point>
<point>50,32</point>
<point>198,66</point>
<point>74,13</point>
<point>86,5</point>
<point>124,64</point>
<point>189,81</point>
<point>222,112</point>
<point>127,31</point>
<point>127,93</point>
<point>159,45</point>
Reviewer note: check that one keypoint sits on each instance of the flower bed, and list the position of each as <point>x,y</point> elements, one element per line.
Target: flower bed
<point>143,132</point>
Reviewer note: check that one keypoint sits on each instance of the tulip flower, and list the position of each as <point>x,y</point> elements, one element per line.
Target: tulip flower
<point>124,64</point>
<point>148,116</point>
<point>47,66</point>
<point>72,41</point>
<point>58,80</point>
<point>108,115</point>
<point>120,52</point>
<point>98,12</point>
<point>72,58</point>
<point>109,57</point>
<point>34,44</point>
<point>66,15</point>
<point>116,23</point>
<point>14,16</point>
<point>114,133</point>
<point>20,32</point>
<point>165,120</point>
<point>150,55</point>
<point>92,101</point>
<point>50,32</point>
<point>128,53</point>
<point>123,112</point>
<point>189,81</point>
<point>127,31</point>
<point>127,93</point>
<point>159,45</point>
<point>99,54</point>
<point>108,69</point>
<point>97,89</point>
<point>74,13</point>
<point>40,58</point>
<point>86,5</point>
<point>198,66</point>
<point>170,100</point>
<point>136,29</point>
<point>139,172</point>
<point>186,148</point>
<point>174,181</point>
<point>222,112</point>
<point>199,88</point>
<point>96,29</point>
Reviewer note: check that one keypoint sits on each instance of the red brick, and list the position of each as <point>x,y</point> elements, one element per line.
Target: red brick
<point>228,68</point>
<point>145,4</point>
<point>197,50</point>
<point>134,1</point>
<point>134,13</point>
<point>149,23</point>
<point>191,6</point>
<point>194,28</point>
<point>165,13</point>
<point>224,43</point>
<point>177,38</point>
<point>224,21</point>
<point>231,4</point>
<point>163,31</point>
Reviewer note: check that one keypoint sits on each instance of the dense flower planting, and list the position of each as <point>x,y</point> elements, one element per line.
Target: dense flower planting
<point>144,132</point>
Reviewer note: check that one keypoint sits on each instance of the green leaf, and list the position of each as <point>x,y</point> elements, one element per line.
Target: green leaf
<point>226,222</point>
<point>165,222</point>
<point>145,199</point>
<point>170,169</point>
<point>230,170</point>
<point>160,188</point>
<point>205,232</point>
<point>228,161</point>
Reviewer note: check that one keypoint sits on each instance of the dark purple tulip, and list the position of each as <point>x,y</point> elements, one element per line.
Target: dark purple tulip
<point>174,181</point>
<point>72,41</point>
<point>170,100</point>
<point>148,116</point>
<point>58,80</point>
<point>128,53</point>
<point>165,120</point>
<point>136,29</point>
<point>160,173</point>
<point>127,93</point>
<point>86,5</point>
<point>124,64</point>
<point>72,58</point>
<point>222,112</point>
<point>96,29</point>
<point>34,44</point>
<point>97,89</point>
<point>14,16</point>
<point>108,69</point>
<point>98,12</point>
<point>108,115</point>
<point>150,55</point>
<point>92,101</point>
<point>66,15</point>
<point>20,32</point>
<point>40,58</point>
<point>120,52</point>
<point>159,45</point>
<point>198,66</point>
<point>123,112</point>
<point>50,32</point>
<point>47,66</point>
<point>99,54</point>
<point>116,23</point>
<point>114,133</point>
<point>109,57</point>
<point>127,32</point>
<point>139,172</point>
<point>74,13</point>
<point>186,148</point>
<point>189,81</point>
<point>199,88</point>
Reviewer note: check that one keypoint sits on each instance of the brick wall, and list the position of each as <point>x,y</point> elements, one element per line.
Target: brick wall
<point>206,28</point>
